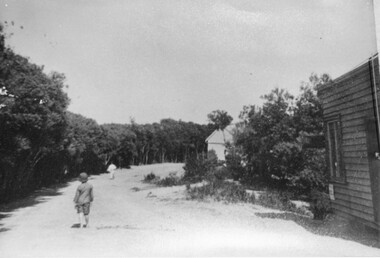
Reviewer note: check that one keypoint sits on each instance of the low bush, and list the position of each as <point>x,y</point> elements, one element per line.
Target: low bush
<point>150,177</point>
<point>220,190</point>
<point>276,200</point>
<point>313,175</point>
<point>218,173</point>
<point>320,204</point>
<point>196,168</point>
<point>233,163</point>
<point>212,157</point>
<point>171,180</point>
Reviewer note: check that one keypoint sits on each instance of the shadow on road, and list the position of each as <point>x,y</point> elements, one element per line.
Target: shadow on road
<point>76,225</point>
<point>38,196</point>
<point>332,226</point>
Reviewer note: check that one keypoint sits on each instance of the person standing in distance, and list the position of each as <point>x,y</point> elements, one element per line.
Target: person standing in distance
<point>83,198</point>
<point>111,168</point>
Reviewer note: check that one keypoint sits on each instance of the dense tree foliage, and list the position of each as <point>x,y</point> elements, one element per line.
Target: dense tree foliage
<point>168,141</point>
<point>83,145</point>
<point>273,140</point>
<point>32,123</point>
<point>42,143</point>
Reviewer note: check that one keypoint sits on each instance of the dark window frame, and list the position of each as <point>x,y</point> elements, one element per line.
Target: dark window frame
<point>334,153</point>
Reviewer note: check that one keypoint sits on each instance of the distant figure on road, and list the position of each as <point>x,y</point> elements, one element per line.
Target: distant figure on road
<point>83,198</point>
<point>111,168</point>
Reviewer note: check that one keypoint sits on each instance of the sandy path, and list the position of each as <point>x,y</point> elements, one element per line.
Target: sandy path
<point>158,222</point>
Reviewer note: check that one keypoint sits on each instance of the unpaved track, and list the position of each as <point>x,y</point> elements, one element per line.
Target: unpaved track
<point>158,222</point>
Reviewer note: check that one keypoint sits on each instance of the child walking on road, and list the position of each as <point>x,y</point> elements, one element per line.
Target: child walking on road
<point>83,198</point>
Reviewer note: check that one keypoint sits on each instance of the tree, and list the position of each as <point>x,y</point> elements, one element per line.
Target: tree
<point>272,138</point>
<point>118,144</point>
<point>308,114</point>
<point>32,123</point>
<point>84,145</point>
<point>220,119</point>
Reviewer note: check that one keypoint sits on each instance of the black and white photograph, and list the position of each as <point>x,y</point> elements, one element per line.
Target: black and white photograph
<point>189,128</point>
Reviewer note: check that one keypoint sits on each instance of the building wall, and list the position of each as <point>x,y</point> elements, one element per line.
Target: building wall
<point>350,97</point>
<point>217,141</point>
<point>219,150</point>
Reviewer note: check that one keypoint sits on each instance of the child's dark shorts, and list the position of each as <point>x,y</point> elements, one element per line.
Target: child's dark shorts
<point>84,208</point>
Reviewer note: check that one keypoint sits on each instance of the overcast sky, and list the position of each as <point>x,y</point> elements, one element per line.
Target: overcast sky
<point>183,59</point>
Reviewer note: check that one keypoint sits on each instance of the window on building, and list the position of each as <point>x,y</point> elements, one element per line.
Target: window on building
<point>334,148</point>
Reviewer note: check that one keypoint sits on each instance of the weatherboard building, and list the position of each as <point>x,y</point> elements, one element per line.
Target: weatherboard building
<point>218,141</point>
<point>352,130</point>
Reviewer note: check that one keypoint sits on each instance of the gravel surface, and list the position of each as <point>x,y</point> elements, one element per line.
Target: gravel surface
<point>131,218</point>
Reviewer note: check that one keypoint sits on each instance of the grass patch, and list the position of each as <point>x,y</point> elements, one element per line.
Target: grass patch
<point>220,190</point>
<point>170,180</point>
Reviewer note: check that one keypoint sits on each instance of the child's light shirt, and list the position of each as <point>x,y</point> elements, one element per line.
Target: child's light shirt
<point>84,194</point>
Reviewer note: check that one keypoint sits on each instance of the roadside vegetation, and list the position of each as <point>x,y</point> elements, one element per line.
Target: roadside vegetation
<point>278,148</point>
<point>42,143</point>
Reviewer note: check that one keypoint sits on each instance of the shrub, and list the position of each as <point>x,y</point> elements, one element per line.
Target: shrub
<point>285,161</point>
<point>233,163</point>
<point>150,177</point>
<point>320,204</point>
<point>171,180</point>
<point>313,175</point>
<point>221,191</point>
<point>219,173</point>
<point>196,168</point>
<point>315,172</point>
<point>251,177</point>
<point>212,157</point>
<point>276,200</point>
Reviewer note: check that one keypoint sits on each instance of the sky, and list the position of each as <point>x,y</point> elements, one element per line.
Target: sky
<point>150,59</point>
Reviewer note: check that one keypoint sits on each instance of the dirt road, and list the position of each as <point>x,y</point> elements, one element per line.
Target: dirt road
<point>130,218</point>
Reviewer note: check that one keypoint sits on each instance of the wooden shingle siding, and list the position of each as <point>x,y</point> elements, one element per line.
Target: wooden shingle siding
<point>353,193</point>
<point>359,188</point>
<point>354,199</point>
<point>356,167</point>
<point>357,91</point>
<point>354,142</point>
<point>355,110</point>
<point>347,88</point>
<point>350,97</point>
<point>354,135</point>
<point>355,154</point>
<point>359,207</point>
<point>357,174</point>
<point>360,112</point>
<point>354,148</point>
<point>342,206</point>
<point>354,123</point>
<point>359,181</point>
<point>354,129</point>
<point>357,219</point>
<point>355,160</point>
<point>363,103</point>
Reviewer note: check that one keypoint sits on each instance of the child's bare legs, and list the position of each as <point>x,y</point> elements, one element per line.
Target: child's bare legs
<point>87,218</point>
<point>81,219</point>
